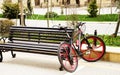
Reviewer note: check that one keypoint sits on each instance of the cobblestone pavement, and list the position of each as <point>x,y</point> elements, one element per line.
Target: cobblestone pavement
<point>36,64</point>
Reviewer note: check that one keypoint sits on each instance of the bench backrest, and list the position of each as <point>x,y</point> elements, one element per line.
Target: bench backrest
<point>39,34</point>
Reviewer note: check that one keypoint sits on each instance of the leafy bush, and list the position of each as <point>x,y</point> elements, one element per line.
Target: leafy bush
<point>111,40</point>
<point>92,8</point>
<point>10,10</point>
<point>51,15</point>
<point>4,27</point>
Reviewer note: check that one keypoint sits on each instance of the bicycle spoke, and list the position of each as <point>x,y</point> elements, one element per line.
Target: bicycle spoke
<point>98,53</point>
<point>74,62</point>
<point>88,57</point>
<point>69,61</point>
<point>95,51</point>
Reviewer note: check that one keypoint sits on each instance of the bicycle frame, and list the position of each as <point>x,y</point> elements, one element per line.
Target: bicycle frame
<point>89,48</point>
<point>79,34</point>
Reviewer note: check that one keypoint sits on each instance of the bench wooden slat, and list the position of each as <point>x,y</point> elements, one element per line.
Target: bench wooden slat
<point>41,35</point>
<point>34,43</point>
<point>15,48</point>
<point>41,41</point>
<point>30,45</point>
<point>38,34</point>
<point>38,52</point>
<point>37,28</point>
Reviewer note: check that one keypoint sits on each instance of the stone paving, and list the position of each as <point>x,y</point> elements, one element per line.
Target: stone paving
<point>37,64</point>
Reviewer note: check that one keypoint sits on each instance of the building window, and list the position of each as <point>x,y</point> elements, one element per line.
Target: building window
<point>68,1</point>
<point>62,1</point>
<point>45,0</point>
<point>7,0</point>
<point>88,1</point>
<point>37,2</point>
<point>65,1</point>
<point>77,2</point>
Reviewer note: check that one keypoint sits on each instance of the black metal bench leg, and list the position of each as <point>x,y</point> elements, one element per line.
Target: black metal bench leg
<point>61,68</point>
<point>13,55</point>
<point>1,56</point>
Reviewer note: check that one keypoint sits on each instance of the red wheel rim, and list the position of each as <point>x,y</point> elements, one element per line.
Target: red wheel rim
<point>96,52</point>
<point>66,62</point>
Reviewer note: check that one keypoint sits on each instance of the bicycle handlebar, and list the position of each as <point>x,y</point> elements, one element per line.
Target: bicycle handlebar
<point>65,28</point>
<point>79,24</point>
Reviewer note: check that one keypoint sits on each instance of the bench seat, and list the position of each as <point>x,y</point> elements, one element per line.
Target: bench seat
<point>43,48</point>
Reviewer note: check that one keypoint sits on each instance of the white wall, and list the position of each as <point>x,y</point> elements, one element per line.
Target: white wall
<point>1,1</point>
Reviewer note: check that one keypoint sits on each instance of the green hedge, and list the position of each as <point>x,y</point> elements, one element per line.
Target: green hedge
<point>100,18</point>
<point>5,26</point>
<point>51,15</point>
<point>111,40</point>
<point>10,10</point>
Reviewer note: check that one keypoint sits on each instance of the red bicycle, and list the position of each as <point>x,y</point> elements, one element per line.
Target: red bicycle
<point>90,48</point>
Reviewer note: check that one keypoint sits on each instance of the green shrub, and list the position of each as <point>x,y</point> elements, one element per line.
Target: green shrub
<point>10,10</point>
<point>92,8</point>
<point>51,15</point>
<point>4,27</point>
<point>111,40</point>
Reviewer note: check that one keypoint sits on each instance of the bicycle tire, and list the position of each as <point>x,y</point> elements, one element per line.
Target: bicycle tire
<point>1,57</point>
<point>96,52</point>
<point>64,59</point>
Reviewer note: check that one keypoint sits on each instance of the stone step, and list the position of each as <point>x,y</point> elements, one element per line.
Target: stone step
<point>112,54</point>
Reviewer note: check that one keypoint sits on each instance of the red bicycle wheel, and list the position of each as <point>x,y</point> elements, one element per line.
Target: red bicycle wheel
<point>96,51</point>
<point>68,59</point>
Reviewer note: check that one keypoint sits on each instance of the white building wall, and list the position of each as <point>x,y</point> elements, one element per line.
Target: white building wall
<point>1,2</point>
<point>25,2</point>
<point>55,3</point>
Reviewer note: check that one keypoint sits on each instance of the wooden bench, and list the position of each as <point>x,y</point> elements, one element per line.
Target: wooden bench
<point>34,40</point>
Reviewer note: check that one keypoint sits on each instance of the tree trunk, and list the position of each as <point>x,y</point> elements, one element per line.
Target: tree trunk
<point>47,14</point>
<point>29,7</point>
<point>21,12</point>
<point>78,2</point>
<point>100,6</point>
<point>117,27</point>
